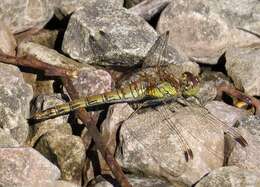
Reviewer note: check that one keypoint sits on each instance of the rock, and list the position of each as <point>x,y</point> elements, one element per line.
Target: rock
<point>8,43</point>
<point>6,139</point>
<point>44,37</point>
<point>66,151</point>
<point>22,15</point>
<point>25,167</point>
<point>247,158</point>
<point>216,26</point>
<point>227,113</point>
<point>15,97</point>
<point>130,37</point>
<point>243,67</point>
<point>147,182</point>
<point>47,55</point>
<point>133,180</point>
<point>131,3</point>
<point>67,7</point>
<point>230,176</point>
<point>149,145</point>
<point>59,183</point>
<point>92,82</point>
<point>42,128</point>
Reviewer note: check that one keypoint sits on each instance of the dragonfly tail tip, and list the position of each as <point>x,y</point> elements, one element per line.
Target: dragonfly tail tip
<point>241,141</point>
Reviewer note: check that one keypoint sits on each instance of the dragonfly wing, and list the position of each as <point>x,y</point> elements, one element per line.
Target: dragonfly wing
<point>217,123</point>
<point>164,113</point>
<point>232,131</point>
<point>157,52</point>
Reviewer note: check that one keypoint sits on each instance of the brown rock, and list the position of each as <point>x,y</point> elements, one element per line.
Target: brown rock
<point>66,151</point>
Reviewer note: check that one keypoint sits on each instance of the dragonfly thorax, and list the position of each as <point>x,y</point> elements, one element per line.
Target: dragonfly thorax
<point>189,84</point>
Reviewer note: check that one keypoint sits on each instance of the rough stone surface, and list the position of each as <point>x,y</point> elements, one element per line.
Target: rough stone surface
<point>149,145</point>
<point>44,37</point>
<point>130,36</point>
<point>134,181</point>
<point>66,7</point>
<point>8,43</point>
<point>216,26</point>
<point>6,139</point>
<point>247,157</point>
<point>39,129</point>
<point>47,55</point>
<point>21,15</point>
<point>66,151</point>
<point>225,112</point>
<point>25,167</point>
<point>242,65</point>
<point>231,176</point>
<point>131,3</point>
<point>15,97</point>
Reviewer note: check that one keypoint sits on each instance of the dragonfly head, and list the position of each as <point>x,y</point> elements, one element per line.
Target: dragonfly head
<point>189,84</point>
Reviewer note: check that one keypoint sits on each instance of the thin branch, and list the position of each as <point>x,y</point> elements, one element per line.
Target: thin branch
<point>32,62</point>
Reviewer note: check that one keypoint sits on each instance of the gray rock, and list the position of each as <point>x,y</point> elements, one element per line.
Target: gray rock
<point>59,183</point>
<point>134,181</point>
<point>149,145</point>
<point>25,167</point>
<point>21,15</point>
<point>8,43</point>
<point>15,97</point>
<point>131,3</point>
<point>66,7</point>
<point>247,158</point>
<point>216,26</point>
<point>232,177</point>
<point>227,113</point>
<point>92,81</point>
<point>242,65</point>
<point>6,139</point>
<point>66,151</point>
<point>130,36</point>
<point>148,182</point>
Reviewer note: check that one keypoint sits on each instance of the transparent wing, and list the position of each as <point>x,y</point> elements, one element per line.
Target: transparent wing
<point>173,127</point>
<point>157,52</point>
<point>232,131</point>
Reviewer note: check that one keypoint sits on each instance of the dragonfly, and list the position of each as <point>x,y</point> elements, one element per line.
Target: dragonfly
<point>166,88</point>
